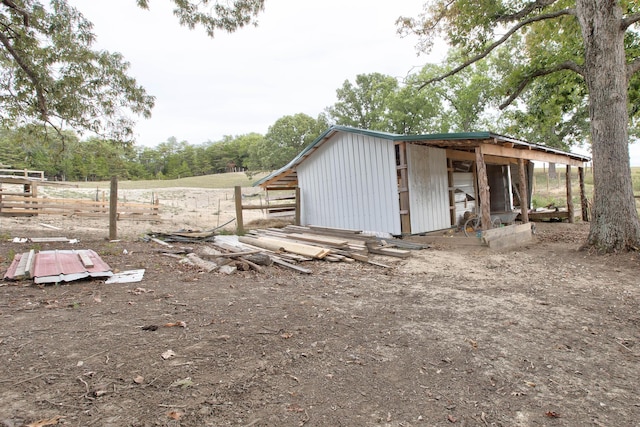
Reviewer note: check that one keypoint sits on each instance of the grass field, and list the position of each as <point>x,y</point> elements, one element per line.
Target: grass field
<point>553,191</point>
<point>546,191</point>
<point>222,180</point>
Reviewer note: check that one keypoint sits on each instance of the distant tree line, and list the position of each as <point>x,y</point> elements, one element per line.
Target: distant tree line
<point>465,102</point>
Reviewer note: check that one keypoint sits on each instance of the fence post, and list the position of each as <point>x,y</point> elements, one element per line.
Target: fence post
<point>238,201</point>
<point>113,209</point>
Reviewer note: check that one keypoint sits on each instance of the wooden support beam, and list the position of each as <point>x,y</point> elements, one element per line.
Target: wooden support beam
<point>542,156</point>
<point>452,196</point>
<point>238,201</point>
<point>583,196</point>
<point>483,190</point>
<point>403,188</point>
<point>570,209</point>
<point>466,155</point>
<point>113,209</point>
<point>524,191</point>
<point>296,220</point>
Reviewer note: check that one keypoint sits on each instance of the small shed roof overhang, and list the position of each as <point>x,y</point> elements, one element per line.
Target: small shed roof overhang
<point>458,145</point>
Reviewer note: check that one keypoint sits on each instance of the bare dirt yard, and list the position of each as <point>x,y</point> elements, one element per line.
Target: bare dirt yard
<point>542,335</point>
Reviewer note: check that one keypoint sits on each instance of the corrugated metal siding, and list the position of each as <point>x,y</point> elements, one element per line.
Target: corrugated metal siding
<point>428,188</point>
<point>350,182</point>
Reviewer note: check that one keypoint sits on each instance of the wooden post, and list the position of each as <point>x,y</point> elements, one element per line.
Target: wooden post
<point>452,195</point>
<point>583,196</point>
<point>403,188</point>
<point>238,199</point>
<point>570,209</point>
<point>524,192</point>
<point>113,209</point>
<point>297,217</point>
<point>483,190</point>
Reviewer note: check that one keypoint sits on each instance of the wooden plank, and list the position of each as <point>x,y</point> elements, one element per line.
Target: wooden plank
<point>452,240</point>
<point>47,239</point>
<point>516,153</point>
<point>334,230</point>
<point>297,268</point>
<point>22,266</point>
<point>359,257</point>
<point>236,254</point>
<point>28,268</point>
<point>323,240</point>
<point>512,240</point>
<point>205,265</point>
<point>500,232</point>
<point>278,245</point>
<point>267,207</point>
<point>381,250</point>
<point>84,257</point>
<point>313,239</point>
<point>160,242</point>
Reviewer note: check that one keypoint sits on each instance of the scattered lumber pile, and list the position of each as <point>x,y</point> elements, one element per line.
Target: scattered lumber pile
<point>290,246</point>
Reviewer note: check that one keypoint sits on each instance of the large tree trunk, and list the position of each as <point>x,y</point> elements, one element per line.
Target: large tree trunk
<point>615,225</point>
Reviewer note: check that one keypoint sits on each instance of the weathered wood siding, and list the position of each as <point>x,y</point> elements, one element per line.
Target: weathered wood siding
<point>428,188</point>
<point>350,182</point>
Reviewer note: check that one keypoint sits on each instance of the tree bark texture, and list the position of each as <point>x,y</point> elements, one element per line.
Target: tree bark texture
<point>615,225</point>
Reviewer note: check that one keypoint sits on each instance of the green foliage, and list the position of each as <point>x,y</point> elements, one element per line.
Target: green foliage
<point>287,137</point>
<point>379,102</point>
<point>214,15</point>
<point>365,105</point>
<point>49,73</point>
<point>553,104</point>
<point>63,156</point>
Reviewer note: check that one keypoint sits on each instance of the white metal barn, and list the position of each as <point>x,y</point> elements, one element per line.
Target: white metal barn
<point>406,184</point>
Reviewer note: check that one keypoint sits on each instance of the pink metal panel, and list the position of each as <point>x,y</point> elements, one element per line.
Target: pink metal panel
<point>66,265</point>
<point>11,272</point>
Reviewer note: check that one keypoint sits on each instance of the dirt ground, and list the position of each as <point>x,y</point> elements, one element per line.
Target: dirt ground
<point>543,335</point>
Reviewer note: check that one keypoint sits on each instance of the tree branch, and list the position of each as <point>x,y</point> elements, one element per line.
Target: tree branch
<point>503,39</point>
<point>629,20</point>
<point>538,4</point>
<point>632,68</point>
<point>567,65</point>
<point>42,103</point>
<point>11,5</point>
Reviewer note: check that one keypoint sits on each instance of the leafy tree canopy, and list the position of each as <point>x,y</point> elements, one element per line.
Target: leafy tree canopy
<point>593,39</point>
<point>287,137</point>
<point>50,73</point>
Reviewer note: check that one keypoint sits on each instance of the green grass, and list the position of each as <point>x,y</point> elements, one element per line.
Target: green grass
<point>553,191</point>
<point>222,180</point>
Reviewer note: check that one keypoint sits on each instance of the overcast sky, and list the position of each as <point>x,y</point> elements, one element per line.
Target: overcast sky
<point>238,83</point>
